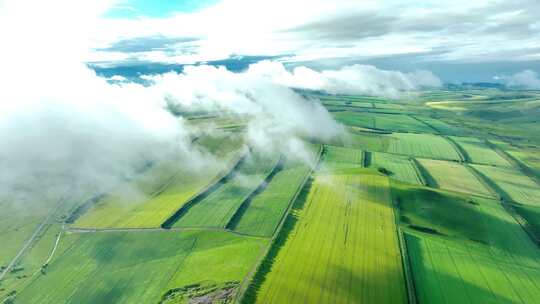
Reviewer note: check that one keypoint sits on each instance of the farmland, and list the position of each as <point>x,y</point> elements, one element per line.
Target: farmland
<point>345,227</point>
<point>155,195</point>
<point>479,153</point>
<point>263,214</point>
<point>400,167</point>
<point>431,200</point>
<point>452,176</point>
<point>125,267</point>
<point>218,208</point>
<point>422,145</point>
<point>466,251</point>
<point>512,184</point>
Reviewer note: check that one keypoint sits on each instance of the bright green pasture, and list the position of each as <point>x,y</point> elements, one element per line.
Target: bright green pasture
<point>218,208</point>
<point>343,246</point>
<point>454,176</point>
<point>422,145</point>
<point>139,267</point>
<point>479,153</point>
<point>401,167</point>
<point>512,184</point>
<point>266,210</point>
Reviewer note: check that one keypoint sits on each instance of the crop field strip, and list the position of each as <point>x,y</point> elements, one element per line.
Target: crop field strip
<point>471,253</point>
<point>161,191</point>
<point>264,212</point>
<point>512,184</point>
<point>478,152</point>
<point>380,121</point>
<point>140,267</point>
<point>344,247</point>
<point>401,167</point>
<point>421,145</point>
<point>218,208</point>
<point>454,177</point>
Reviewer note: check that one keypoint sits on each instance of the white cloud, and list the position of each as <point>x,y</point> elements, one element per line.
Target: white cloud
<point>318,29</point>
<point>354,79</point>
<point>527,79</point>
<point>63,125</point>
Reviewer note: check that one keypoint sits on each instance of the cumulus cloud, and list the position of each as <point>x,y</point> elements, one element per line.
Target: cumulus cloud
<point>64,127</point>
<point>527,79</point>
<point>353,79</point>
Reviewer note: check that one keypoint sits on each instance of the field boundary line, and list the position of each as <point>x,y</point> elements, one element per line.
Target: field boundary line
<point>425,123</point>
<point>28,244</point>
<point>465,158</point>
<point>516,163</point>
<point>423,174</point>
<point>216,183</point>
<point>405,259</point>
<point>246,282</point>
<point>159,229</point>
<point>507,203</point>
<point>246,202</point>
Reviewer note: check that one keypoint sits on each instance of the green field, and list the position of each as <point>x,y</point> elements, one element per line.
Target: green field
<point>345,156</point>
<point>422,145</point>
<point>401,168</point>
<point>466,251</point>
<point>218,208</point>
<point>431,199</point>
<point>122,267</point>
<point>264,212</point>
<point>512,184</point>
<point>479,153</point>
<point>453,176</point>
<point>343,246</point>
<point>391,122</point>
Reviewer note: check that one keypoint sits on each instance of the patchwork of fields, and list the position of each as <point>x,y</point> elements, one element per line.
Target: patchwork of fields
<point>343,247</point>
<point>414,204</point>
<point>124,267</point>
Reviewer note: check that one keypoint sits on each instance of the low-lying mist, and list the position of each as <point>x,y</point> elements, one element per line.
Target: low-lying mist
<point>63,126</point>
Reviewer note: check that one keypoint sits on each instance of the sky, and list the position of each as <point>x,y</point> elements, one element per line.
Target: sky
<point>64,123</point>
<point>461,40</point>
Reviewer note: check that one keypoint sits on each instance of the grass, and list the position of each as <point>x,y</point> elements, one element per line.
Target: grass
<point>454,177</point>
<point>153,196</point>
<point>512,184</point>
<point>264,212</point>
<point>479,153</point>
<point>422,145</point>
<point>120,267</point>
<point>345,156</point>
<point>401,168</point>
<point>391,122</point>
<point>218,208</point>
<point>343,247</point>
<point>441,126</point>
<point>466,251</point>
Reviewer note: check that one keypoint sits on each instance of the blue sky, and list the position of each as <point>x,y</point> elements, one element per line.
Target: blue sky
<point>156,9</point>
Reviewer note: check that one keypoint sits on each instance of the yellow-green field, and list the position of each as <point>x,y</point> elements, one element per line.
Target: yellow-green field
<point>343,247</point>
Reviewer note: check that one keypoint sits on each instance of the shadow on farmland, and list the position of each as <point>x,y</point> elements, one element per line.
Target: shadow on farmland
<point>288,226</point>
<point>459,216</point>
<point>374,286</point>
<point>449,288</point>
<point>237,216</point>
